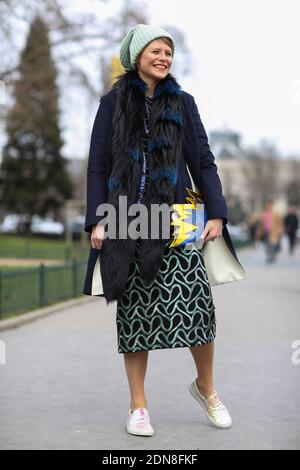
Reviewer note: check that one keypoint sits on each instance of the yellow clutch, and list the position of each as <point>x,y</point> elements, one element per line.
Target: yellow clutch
<point>189,218</point>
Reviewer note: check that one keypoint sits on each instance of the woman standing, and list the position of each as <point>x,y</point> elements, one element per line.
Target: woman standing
<point>146,131</point>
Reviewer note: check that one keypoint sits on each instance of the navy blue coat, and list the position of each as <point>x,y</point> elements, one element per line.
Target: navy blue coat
<point>196,154</point>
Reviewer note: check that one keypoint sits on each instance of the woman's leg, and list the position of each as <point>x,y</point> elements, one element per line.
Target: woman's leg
<point>136,366</point>
<point>203,356</point>
<point>215,410</point>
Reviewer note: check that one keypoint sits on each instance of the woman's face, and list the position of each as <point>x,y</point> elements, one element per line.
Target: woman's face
<point>156,60</point>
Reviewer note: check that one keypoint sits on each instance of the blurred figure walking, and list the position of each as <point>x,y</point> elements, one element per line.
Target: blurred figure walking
<point>252,224</point>
<point>270,230</point>
<point>291,224</point>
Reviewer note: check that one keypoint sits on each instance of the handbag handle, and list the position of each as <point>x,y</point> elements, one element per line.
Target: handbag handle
<point>194,187</point>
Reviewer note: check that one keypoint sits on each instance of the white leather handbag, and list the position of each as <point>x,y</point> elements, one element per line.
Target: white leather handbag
<point>221,265</point>
<point>97,287</point>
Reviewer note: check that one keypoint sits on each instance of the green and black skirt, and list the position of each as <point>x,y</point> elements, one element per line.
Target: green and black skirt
<point>175,311</point>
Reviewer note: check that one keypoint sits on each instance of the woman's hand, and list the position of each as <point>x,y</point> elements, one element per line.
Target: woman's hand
<point>97,236</point>
<point>212,229</point>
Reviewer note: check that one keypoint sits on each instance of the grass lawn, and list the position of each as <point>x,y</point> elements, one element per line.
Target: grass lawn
<point>25,285</point>
<point>17,246</point>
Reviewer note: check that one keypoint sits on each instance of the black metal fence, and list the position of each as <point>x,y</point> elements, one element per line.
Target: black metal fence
<point>31,288</point>
<point>26,289</point>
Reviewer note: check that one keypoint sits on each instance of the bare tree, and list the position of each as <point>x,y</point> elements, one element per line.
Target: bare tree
<point>262,174</point>
<point>292,187</point>
<point>75,36</point>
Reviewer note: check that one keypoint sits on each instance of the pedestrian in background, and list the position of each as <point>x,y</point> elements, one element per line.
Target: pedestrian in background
<point>270,230</point>
<point>291,224</point>
<point>252,224</point>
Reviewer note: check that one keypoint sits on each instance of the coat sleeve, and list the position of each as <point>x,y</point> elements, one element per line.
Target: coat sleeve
<point>204,171</point>
<point>97,166</point>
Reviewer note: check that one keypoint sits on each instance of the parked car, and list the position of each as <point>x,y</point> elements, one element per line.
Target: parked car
<point>78,224</point>
<point>46,225</point>
<point>12,223</point>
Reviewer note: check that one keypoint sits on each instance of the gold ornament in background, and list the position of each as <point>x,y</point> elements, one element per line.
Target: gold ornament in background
<point>116,68</point>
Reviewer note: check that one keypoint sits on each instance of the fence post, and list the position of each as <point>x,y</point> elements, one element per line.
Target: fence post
<point>42,284</point>
<point>74,276</point>
<point>67,252</point>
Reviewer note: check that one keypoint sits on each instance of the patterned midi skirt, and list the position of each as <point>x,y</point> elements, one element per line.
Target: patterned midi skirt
<point>176,310</point>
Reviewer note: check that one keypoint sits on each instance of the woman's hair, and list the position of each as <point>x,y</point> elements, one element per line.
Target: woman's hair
<point>164,39</point>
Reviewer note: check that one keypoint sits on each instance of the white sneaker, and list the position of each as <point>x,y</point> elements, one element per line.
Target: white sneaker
<point>215,411</point>
<point>138,423</point>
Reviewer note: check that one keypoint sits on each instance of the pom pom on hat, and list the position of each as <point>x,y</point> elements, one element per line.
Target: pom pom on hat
<point>136,39</point>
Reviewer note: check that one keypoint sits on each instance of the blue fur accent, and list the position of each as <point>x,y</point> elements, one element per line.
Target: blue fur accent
<point>158,90</point>
<point>140,84</point>
<point>112,183</point>
<point>167,114</point>
<point>133,153</point>
<point>168,86</point>
<point>161,142</point>
<point>169,173</point>
<point>172,88</point>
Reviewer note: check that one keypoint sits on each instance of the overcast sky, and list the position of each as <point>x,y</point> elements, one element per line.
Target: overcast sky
<point>244,72</point>
<point>245,68</point>
<point>246,64</point>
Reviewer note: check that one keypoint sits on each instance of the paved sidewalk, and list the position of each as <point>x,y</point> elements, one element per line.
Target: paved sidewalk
<point>64,384</point>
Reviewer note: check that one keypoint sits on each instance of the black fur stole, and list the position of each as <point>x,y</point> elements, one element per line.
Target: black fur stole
<point>164,146</point>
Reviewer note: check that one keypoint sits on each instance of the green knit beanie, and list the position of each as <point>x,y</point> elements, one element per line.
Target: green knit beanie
<point>135,41</point>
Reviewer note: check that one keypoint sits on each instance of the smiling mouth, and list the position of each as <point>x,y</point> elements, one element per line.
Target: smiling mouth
<point>160,67</point>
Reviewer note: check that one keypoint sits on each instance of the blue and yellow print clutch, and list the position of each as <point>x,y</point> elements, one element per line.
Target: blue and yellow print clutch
<point>190,219</point>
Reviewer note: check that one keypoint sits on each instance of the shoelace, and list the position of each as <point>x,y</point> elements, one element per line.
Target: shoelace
<point>140,419</point>
<point>215,405</point>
